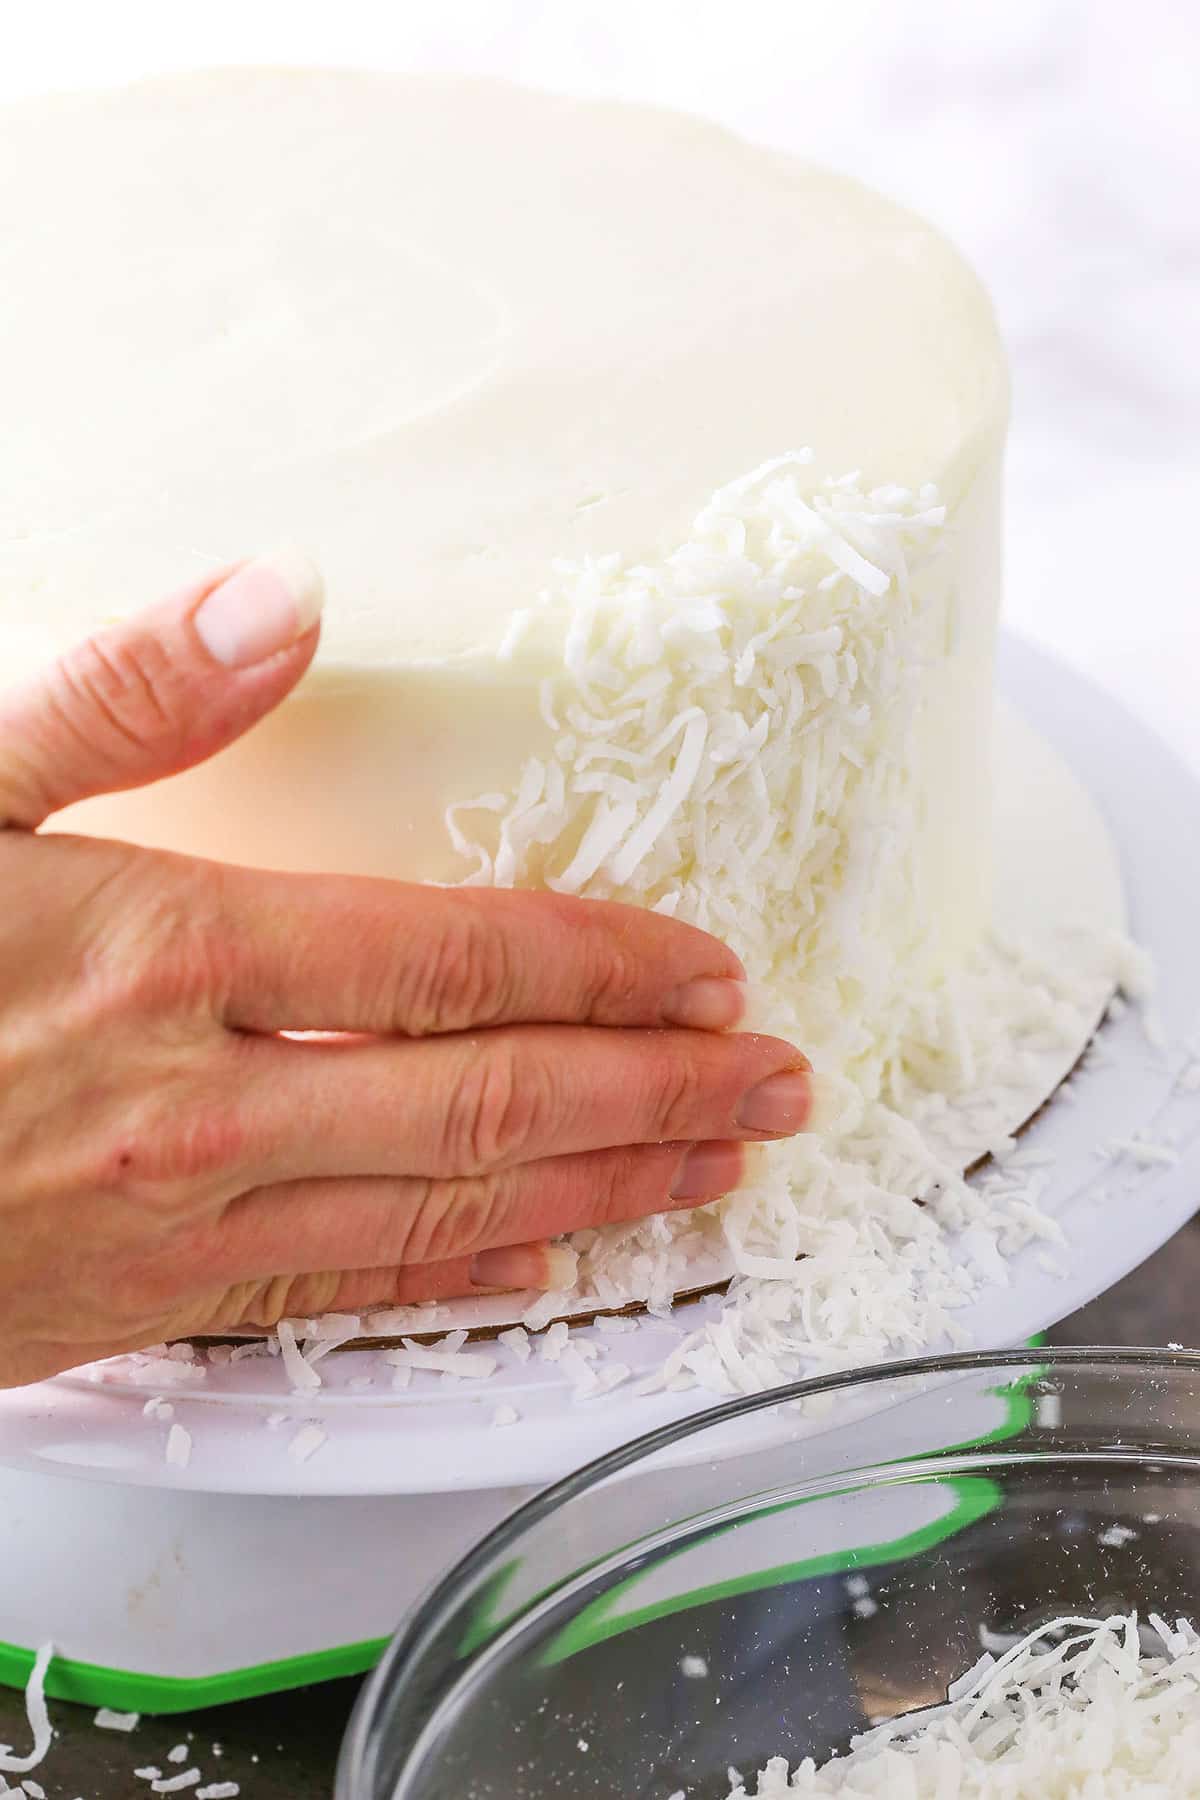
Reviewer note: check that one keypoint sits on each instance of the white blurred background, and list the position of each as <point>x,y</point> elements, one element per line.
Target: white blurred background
<point>1055,140</point>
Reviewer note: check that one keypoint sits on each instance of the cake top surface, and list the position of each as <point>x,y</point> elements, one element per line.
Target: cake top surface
<point>439,333</point>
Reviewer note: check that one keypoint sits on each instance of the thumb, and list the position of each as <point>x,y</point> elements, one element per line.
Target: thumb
<point>160,691</point>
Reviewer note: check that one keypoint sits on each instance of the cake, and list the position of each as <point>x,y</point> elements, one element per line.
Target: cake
<point>656,483</point>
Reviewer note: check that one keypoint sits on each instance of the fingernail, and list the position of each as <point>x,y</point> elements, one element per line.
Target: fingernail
<point>779,1104</point>
<point>261,609</point>
<point>709,1170</point>
<point>707,1003</point>
<point>552,1267</point>
<point>763,1013</point>
<point>836,1104</point>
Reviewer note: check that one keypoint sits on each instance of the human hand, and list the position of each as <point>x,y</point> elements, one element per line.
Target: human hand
<point>509,1066</point>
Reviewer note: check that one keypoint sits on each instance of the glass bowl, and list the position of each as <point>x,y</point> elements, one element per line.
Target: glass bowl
<point>703,1600</point>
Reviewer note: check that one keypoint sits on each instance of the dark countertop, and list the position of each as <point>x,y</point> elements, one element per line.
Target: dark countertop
<point>285,1747</point>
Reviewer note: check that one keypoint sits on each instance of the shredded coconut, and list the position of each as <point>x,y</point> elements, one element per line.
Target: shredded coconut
<point>517,1340</point>
<point>613,1325</point>
<point>555,1342</point>
<point>835,1264</point>
<point>1145,1153</point>
<point>107,1720</point>
<point>38,1717</point>
<point>302,1377</point>
<point>307,1441</point>
<point>1102,1709</point>
<point>155,1369</point>
<point>612,1376</point>
<point>178,1450</point>
<point>329,1333</point>
<point>755,741</point>
<point>543,1309</point>
<point>460,1364</point>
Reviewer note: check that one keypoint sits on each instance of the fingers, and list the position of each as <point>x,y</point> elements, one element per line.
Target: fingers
<point>471,1104</point>
<point>541,1267</point>
<point>158,692</point>
<point>344,954</point>
<point>307,1227</point>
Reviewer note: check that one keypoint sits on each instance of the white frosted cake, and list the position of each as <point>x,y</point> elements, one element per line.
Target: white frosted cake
<point>655,479</point>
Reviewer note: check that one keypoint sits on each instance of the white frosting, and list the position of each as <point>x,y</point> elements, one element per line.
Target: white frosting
<point>445,334</point>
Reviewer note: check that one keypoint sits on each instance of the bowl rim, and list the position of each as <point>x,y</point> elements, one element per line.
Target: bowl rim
<point>424,1618</point>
